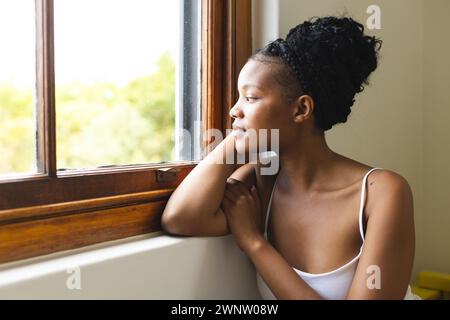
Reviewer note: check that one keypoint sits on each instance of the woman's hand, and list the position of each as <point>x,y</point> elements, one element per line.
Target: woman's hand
<point>242,209</point>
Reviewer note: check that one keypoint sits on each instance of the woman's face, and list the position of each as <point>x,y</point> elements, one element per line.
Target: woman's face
<point>261,105</point>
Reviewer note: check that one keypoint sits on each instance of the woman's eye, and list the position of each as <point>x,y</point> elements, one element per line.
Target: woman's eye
<point>251,99</point>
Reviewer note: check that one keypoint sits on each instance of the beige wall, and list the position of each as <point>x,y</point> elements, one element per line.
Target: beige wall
<point>435,219</point>
<point>400,121</point>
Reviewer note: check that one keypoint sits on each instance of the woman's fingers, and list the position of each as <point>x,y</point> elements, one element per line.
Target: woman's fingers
<point>254,193</point>
<point>237,185</point>
<point>228,196</point>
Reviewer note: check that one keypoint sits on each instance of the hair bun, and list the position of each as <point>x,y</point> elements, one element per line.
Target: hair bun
<point>340,59</point>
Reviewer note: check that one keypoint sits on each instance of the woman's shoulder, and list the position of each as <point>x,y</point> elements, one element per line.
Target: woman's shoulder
<point>379,179</point>
<point>384,187</point>
<point>384,180</point>
<point>387,191</point>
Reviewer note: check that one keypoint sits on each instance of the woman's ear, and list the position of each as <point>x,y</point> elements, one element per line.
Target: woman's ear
<point>303,108</point>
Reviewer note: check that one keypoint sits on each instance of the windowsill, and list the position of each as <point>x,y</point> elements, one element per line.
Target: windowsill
<point>151,266</point>
<point>28,269</point>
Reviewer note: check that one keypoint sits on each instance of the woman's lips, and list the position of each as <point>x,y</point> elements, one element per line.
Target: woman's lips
<point>238,131</point>
<point>236,127</point>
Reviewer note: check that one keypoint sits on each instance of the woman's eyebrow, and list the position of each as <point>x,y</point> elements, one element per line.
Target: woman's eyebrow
<point>247,86</point>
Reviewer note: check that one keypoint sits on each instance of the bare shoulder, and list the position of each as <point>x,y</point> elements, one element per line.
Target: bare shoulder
<point>388,191</point>
<point>380,181</point>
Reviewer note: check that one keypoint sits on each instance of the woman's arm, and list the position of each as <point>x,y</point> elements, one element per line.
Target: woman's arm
<point>194,207</point>
<point>385,266</point>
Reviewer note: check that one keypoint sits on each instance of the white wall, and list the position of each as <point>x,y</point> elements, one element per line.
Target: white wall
<point>145,267</point>
<point>265,22</point>
<point>400,121</point>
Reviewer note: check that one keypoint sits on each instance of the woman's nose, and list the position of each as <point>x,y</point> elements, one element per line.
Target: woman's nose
<point>235,112</point>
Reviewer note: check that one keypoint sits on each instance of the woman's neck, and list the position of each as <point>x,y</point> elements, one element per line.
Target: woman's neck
<point>307,164</point>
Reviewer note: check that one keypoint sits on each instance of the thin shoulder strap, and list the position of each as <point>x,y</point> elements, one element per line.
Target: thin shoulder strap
<point>361,204</point>
<point>268,208</point>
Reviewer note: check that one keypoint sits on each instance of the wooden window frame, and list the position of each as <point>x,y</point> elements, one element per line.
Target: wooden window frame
<point>51,212</point>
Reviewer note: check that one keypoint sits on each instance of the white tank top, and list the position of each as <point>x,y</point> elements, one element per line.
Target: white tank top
<point>333,284</point>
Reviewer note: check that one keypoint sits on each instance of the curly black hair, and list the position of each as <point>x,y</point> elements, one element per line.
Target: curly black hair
<point>328,58</point>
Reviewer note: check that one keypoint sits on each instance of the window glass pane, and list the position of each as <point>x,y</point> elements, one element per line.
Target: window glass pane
<point>117,66</point>
<point>17,87</point>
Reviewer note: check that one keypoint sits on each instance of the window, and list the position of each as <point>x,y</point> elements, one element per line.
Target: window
<point>117,103</point>
<point>104,113</point>
<point>17,88</point>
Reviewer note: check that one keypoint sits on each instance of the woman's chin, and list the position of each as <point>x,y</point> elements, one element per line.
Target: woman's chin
<point>243,146</point>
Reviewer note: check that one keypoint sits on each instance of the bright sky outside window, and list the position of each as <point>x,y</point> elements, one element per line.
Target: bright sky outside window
<point>17,87</point>
<point>117,66</point>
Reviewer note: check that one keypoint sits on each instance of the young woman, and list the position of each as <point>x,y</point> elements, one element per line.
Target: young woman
<point>325,226</point>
